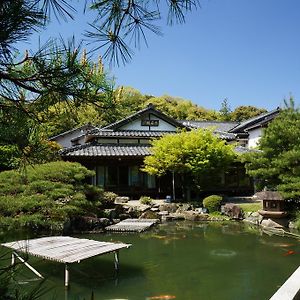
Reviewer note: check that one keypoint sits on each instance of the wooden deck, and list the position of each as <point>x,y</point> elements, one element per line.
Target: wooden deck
<point>132,225</point>
<point>63,249</point>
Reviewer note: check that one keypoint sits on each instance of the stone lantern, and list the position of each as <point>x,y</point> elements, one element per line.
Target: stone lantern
<point>273,205</point>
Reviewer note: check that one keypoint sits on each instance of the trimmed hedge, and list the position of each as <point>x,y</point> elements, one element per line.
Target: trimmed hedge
<point>212,203</point>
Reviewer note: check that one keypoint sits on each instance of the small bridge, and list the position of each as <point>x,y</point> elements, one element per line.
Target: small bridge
<point>132,225</point>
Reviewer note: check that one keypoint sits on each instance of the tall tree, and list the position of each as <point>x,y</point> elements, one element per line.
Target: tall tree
<point>243,112</point>
<point>225,110</point>
<point>277,166</point>
<point>197,154</point>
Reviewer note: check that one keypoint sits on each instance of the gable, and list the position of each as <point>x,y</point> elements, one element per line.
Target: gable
<point>147,119</point>
<point>148,122</point>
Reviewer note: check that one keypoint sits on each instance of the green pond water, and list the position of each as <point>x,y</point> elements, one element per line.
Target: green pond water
<point>189,261</point>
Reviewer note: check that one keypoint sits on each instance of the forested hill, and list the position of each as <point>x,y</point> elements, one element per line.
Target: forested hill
<point>127,100</point>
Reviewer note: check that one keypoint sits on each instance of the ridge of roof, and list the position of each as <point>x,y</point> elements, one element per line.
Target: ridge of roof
<point>71,130</point>
<point>253,120</point>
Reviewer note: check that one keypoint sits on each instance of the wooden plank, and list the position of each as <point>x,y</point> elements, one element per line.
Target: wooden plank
<point>132,225</point>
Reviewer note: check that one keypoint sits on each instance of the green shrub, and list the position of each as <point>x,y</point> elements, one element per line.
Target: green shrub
<point>108,199</point>
<point>93,192</point>
<point>50,196</point>
<point>146,200</point>
<point>297,220</point>
<point>66,172</point>
<point>212,203</point>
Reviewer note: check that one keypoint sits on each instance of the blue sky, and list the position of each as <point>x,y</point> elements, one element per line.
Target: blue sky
<point>247,51</point>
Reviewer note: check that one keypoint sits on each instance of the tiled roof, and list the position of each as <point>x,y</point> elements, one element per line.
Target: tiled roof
<point>112,150</point>
<point>90,150</point>
<point>128,133</point>
<point>242,150</point>
<point>217,125</point>
<point>225,135</point>
<point>82,129</point>
<point>268,116</point>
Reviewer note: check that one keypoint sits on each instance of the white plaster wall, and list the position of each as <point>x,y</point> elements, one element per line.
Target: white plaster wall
<point>65,140</point>
<point>136,125</point>
<point>254,137</point>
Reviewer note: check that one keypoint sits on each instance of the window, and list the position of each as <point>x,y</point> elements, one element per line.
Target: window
<point>123,175</point>
<point>145,141</point>
<point>107,141</point>
<point>150,181</point>
<point>111,176</point>
<point>134,178</point>
<point>128,141</point>
<point>100,171</point>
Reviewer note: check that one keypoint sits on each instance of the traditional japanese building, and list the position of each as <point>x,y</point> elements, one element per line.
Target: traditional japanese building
<point>116,153</point>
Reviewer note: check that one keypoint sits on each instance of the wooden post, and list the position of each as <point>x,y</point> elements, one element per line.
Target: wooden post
<point>27,265</point>
<point>116,260</point>
<point>173,186</point>
<point>13,259</point>
<point>66,276</point>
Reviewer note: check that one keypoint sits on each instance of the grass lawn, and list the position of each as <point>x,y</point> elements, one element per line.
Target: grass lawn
<point>249,207</point>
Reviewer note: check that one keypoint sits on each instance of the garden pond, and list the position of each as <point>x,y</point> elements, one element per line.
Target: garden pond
<point>176,260</point>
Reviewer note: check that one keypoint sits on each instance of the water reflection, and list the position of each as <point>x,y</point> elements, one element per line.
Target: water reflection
<point>183,260</point>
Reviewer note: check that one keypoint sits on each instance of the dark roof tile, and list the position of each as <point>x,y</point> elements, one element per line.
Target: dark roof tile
<point>91,150</point>
<point>217,125</point>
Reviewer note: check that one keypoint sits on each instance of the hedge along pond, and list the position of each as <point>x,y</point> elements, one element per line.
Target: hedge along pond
<point>182,260</point>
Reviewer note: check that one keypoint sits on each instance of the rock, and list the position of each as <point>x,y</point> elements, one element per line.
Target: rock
<point>233,211</point>
<point>166,218</point>
<point>183,207</point>
<point>142,207</point>
<point>163,213</point>
<point>111,213</point>
<point>292,225</point>
<point>253,219</point>
<point>87,223</point>
<point>155,209</point>
<point>149,215</point>
<point>270,224</point>
<point>169,207</point>
<point>124,216</point>
<point>255,214</point>
<point>133,213</point>
<point>121,200</point>
<point>194,216</point>
<point>177,216</point>
<point>104,221</point>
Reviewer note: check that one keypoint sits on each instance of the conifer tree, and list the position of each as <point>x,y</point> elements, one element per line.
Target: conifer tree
<point>277,165</point>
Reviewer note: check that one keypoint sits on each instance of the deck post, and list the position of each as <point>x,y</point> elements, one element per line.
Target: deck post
<point>116,260</point>
<point>66,276</point>
<point>27,265</point>
<point>13,259</point>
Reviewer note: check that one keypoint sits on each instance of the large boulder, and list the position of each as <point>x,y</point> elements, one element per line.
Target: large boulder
<point>194,216</point>
<point>183,207</point>
<point>88,223</point>
<point>169,207</point>
<point>275,223</point>
<point>233,211</point>
<point>271,223</point>
<point>149,215</point>
<point>121,200</point>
